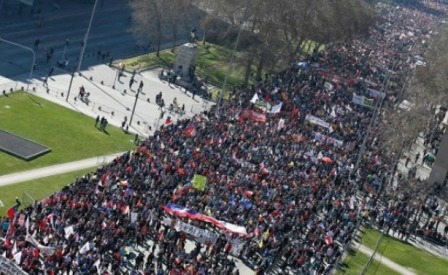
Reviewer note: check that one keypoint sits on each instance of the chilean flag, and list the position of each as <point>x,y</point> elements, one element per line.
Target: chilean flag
<point>183,212</point>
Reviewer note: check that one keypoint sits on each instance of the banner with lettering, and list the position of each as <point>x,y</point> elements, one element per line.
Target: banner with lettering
<point>46,250</point>
<point>318,121</point>
<point>203,235</point>
<point>252,115</point>
<point>376,93</point>
<point>9,267</point>
<point>363,101</point>
<point>327,139</point>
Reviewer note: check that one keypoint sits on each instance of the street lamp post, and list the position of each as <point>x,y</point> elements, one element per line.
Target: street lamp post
<point>135,103</point>
<point>84,44</point>
<point>26,48</point>
<point>70,85</point>
<point>116,77</point>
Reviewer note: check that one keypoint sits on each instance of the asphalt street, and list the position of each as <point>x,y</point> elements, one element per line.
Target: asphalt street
<point>109,34</point>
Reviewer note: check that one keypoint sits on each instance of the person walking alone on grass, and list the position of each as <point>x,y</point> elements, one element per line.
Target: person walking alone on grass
<point>96,121</point>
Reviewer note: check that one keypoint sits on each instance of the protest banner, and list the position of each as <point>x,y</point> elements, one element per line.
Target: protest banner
<point>199,182</point>
<point>363,101</point>
<point>329,140</point>
<point>263,105</point>
<point>9,267</point>
<point>204,236</point>
<point>46,250</point>
<point>276,109</point>
<point>376,93</point>
<point>184,212</point>
<point>254,116</point>
<point>318,121</point>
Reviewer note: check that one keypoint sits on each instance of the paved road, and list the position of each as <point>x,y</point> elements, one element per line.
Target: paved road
<point>110,33</point>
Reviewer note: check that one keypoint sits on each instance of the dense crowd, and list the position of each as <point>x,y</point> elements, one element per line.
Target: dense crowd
<point>287,177</point>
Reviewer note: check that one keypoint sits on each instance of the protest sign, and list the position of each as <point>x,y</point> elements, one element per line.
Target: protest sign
<point>199,182</point>
<point>68,231</point>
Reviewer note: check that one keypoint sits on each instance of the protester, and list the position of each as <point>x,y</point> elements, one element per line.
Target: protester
<point>269,177</point>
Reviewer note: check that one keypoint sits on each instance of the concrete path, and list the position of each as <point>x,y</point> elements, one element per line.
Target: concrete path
<point>385,261</point>
<point>55,169</point>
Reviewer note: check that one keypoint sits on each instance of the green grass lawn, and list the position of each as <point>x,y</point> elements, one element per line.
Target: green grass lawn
<point>71,135</point>
<point>420,261</point>
<point>38,189</point>
<point>212,61</point>
<point>354,265</point>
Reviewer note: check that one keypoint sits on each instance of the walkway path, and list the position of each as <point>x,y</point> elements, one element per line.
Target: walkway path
<point>55,169</point>
<point>385,261</point>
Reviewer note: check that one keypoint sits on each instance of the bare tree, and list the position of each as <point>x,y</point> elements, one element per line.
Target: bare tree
<point>283,27</point>
<point>159,18</point>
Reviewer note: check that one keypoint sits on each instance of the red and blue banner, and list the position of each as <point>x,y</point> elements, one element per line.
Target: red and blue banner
<point>184,212</point>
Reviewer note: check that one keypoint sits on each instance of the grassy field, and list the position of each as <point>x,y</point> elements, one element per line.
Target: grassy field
<point>71,135</point>
<point>38,189</point>
<point>354,264</point>
<point>402,253</point>
<point>212,62</point>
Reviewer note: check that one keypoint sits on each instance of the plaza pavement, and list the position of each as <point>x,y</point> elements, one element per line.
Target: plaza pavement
<point>113,104</point>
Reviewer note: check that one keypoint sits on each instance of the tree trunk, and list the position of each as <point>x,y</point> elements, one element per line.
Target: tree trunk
<point>260,65</point>
<point>248,70</point>
<point>158,22</point>
<point>277,59</point>
<point>173,47</point>
<point>296,51</point>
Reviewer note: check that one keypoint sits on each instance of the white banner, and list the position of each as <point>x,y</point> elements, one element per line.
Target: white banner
<point>8,267</point>
<point>357,99</point>
<point>204,235</point>
<point>376,93</point>
<point>276,109</point>
<point>318,121</point>
<point>327,139</point>
<point>46,250</point>
<point>363,101</point>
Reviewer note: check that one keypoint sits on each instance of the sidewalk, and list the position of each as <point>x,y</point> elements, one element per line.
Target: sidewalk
<point>385,261</point>
<point>55,169</point>
<point>114,103</point>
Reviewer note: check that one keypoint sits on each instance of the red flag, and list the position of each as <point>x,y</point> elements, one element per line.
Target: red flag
<point>328,240</point>
<point>295,112</point>
<point>190,131</point>
<point>168,121</point>
<point>11,212</point>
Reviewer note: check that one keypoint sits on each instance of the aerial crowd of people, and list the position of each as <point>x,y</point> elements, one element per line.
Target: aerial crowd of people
<point>282,190</point>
